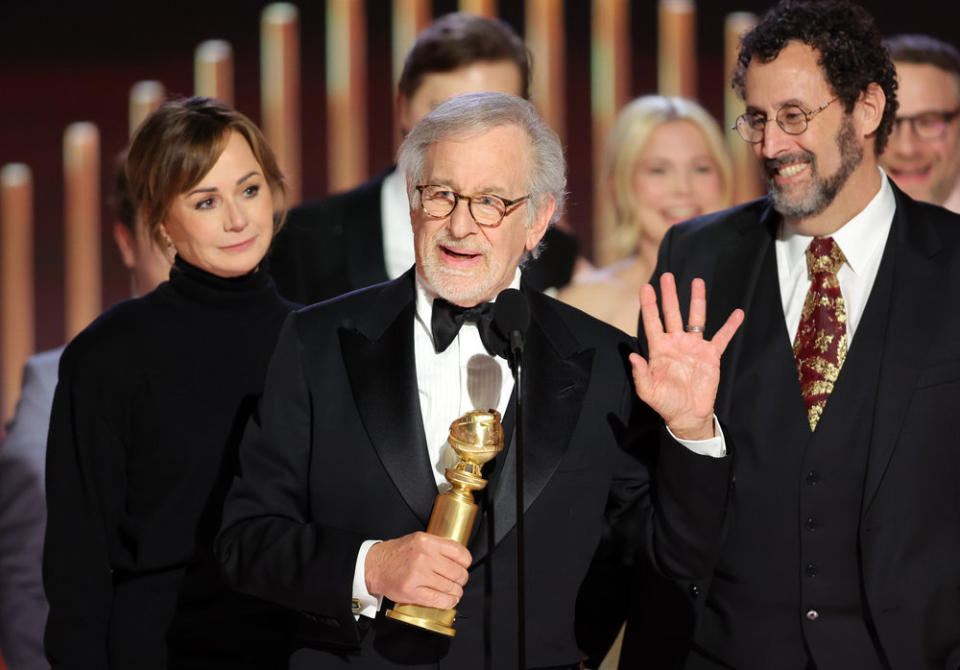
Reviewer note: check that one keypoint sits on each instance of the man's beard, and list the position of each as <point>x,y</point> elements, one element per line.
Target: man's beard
<point>820,191</point>
<point>461,287</point>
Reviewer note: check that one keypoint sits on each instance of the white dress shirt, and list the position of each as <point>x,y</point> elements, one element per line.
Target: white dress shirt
<point>398,253</point>
<point>861,239</point>
<point>461,378</point>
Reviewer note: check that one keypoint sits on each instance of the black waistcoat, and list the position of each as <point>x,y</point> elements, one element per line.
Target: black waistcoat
<point>787,588</point>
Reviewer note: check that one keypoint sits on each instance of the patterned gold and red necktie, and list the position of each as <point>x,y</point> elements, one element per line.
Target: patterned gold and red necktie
<point>821,343</point>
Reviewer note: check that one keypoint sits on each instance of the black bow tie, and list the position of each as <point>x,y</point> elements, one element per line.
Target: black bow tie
<point>446,320</point>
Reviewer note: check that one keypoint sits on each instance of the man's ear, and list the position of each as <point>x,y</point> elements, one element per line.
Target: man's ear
<point>870,107</point>
<point>124,239</point>
<point>541,222</point>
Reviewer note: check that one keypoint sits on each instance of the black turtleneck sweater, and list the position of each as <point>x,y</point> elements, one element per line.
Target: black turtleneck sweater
<point>152,400</point>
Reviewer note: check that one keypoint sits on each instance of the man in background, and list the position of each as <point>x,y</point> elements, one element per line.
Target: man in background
<point>363,237</point>
<point>923,157</point>
<point>23,514</point>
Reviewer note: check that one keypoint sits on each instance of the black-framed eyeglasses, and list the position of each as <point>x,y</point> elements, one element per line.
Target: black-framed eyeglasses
<point>487,210</point>
<point>928,125</point>
<point>792,120</point>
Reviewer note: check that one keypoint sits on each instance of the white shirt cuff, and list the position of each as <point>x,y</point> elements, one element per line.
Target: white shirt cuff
<point>715,446</point>
<point>369,604</point>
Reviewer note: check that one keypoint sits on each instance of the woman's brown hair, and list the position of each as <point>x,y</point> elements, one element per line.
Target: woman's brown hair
<point>178,144</point>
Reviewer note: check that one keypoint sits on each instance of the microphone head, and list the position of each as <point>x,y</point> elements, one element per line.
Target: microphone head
<point>511,314</point>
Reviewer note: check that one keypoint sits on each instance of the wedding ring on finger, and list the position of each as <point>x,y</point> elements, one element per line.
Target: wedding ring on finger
<point>694,329</point>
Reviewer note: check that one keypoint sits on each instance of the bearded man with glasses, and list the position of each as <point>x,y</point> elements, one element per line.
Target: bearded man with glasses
<point>924,153</point>
<point>839,395</point>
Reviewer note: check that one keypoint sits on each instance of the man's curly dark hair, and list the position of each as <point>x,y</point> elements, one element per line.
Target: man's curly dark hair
<point>851,49</point>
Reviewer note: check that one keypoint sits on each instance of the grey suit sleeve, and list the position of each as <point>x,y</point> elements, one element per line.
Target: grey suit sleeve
<point>23,607</point>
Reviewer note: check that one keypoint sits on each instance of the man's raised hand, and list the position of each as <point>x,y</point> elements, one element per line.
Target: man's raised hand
<point>680,379</point>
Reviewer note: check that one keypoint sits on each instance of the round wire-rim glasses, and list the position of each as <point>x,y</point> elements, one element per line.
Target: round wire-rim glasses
<point>792,119</point>
<point>487,210</point>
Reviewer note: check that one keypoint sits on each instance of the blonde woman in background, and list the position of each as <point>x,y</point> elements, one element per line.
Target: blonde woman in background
<point>665,162</point>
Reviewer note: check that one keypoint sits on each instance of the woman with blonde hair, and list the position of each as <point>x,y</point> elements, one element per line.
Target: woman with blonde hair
<point>148,412</point>
<point>665,162</point>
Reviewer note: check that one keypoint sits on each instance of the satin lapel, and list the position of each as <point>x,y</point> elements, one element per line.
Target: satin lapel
<point>915,312</point>
<point>363,229</point>
<point>556,375</point>
<point>733,284</point>
<point>378,356</point>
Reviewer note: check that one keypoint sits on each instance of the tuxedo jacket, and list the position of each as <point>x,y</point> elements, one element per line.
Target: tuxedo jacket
<point>903,366</point>
<point>337,455</point>
<point>335,245</point>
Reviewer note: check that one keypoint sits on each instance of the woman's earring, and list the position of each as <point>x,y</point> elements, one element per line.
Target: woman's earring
<point>169,251</point>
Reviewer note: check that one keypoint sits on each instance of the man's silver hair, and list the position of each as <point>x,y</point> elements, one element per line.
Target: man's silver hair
<point>475,113</point>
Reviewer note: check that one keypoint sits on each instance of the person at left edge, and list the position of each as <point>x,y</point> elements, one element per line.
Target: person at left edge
<point>349,443</point>
<point>149,408</point>
<point>23,509</point>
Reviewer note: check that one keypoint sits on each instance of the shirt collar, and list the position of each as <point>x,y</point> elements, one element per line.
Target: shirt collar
<point>857,238</point>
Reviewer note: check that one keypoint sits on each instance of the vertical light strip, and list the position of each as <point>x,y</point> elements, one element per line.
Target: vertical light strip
<point>346,94</point>
<point>213,71</point>
<point>81,234</point>
<point>677,53</point>
<point>747,183</point>
<point>16,279</point>
<point>410,17</point>
<point>609,89</point>
<point>479,7</point>
<point>545,37</point>
<point>280,90</point>
<point>145,96</point>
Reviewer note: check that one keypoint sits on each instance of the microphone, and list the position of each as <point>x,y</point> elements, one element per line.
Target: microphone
<point>511,318</point>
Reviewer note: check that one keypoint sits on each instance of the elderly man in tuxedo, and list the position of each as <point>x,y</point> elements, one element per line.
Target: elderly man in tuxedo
<point>341,465</point>
<point>361,237</point>
<point>839,394</point>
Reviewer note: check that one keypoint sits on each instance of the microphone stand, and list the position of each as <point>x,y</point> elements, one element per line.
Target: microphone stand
<point>511,318</point>
<point>516,366</point>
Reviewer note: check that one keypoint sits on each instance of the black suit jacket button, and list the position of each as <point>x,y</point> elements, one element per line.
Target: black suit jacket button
<point>812,615</point>
<point>811,570</point>
<point>812,478</point>
<point>694,591</point>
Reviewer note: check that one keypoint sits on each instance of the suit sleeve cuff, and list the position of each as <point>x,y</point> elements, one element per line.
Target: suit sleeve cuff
<point>715,447</point>
<point>365,603</point>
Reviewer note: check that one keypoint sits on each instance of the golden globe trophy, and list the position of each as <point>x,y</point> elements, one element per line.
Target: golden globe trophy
<point>477,437</point>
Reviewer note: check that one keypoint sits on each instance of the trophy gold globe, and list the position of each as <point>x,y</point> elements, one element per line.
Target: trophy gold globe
<point>476,437</point>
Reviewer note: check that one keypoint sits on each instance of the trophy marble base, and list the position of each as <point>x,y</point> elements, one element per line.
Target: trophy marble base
<point>431,618</point>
